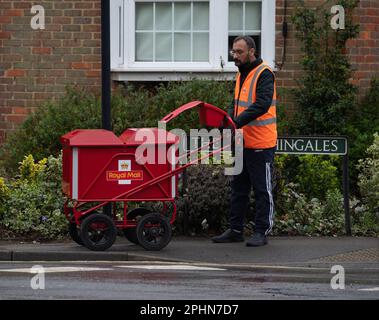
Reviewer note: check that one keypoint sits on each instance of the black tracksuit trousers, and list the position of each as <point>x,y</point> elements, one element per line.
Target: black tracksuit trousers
<point>256,173</point>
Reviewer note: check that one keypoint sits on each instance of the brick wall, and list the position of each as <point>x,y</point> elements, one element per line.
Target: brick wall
<point>36,65</point>
<point>363,51</point>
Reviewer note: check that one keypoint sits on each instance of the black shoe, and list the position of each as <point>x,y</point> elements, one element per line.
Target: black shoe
<point>229,236</point>
<point>257,240</point>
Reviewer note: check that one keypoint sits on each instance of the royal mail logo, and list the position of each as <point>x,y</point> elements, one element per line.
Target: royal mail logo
<point>125,175</point>
<point>124,165</point>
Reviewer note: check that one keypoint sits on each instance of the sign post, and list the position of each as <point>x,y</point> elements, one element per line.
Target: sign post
<point>322,145</point>
<point>106,75</point>
<point>105,65</point>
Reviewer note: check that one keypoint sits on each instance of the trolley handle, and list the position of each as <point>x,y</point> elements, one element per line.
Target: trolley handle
<point>209,115</point>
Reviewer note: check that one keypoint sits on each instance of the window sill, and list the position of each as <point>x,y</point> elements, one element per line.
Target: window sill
<point>149,75</point>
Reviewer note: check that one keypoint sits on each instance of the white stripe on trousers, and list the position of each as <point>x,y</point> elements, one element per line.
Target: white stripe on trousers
<point>268,186</point>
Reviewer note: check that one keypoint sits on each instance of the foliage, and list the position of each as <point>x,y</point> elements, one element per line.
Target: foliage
<point>207,198</point>
<point>324,95</point>
<point>33,206</point>
<point>30,170</point>
<point>4,194</point>
<point>368,179</point>
<point>303,216</point>
<point>316,175</point>
<point>364,221</point>
<point>363,123</point>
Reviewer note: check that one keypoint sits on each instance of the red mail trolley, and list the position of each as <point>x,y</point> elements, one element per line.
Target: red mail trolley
<point>141,165</point>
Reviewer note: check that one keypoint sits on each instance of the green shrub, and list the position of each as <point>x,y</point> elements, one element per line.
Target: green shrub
<point>369,177</point>
<point>34,202</point>
<point>316,175</point>
<point>4,194</point>
<point>364,222</point>
<point>363,123</point>
<point>207,198</point>
<point>300,215</point>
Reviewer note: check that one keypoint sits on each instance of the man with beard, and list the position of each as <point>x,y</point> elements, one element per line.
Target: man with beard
<point>254,110</point>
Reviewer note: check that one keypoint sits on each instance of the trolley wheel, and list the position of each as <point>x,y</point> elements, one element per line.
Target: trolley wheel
<point>135,214</point>
<point>74,233</point>
<point>153,232</point>
<point>98,232</point>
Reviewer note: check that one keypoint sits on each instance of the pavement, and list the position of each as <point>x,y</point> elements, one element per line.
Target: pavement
<point>359,254</point>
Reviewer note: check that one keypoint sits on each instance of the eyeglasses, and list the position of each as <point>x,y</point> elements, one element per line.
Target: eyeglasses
<point>237,52</point>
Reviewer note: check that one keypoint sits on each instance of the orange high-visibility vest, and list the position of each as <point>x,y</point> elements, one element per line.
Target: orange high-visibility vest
<point>260,133</point>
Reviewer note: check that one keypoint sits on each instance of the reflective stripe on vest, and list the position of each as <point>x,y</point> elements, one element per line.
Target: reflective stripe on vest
<point>246,104</point>
<point>260,123</point>
<point>261,132</point>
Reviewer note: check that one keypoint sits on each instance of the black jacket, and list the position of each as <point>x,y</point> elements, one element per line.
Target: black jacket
<point>265,92</point>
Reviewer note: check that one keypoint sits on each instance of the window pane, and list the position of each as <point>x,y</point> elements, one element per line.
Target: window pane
<point>235,15</point>
<point>163,14</point>
<point>163,43</point>
<point>253,16</point>
<point>144,46</point>
<point>200,16</point>
<point>200,47</point>
<point>144,16</point>
<point>172,31</point>
<point>182,16</point>
<point>182,47</point>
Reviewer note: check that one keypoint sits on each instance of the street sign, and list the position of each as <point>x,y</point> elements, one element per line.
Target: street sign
<point>312,145</point>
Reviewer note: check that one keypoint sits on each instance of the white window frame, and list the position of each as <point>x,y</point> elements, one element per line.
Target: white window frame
<point>124,66</point>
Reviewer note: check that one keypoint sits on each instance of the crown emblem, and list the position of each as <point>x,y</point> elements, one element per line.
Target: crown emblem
<point>124,166</point>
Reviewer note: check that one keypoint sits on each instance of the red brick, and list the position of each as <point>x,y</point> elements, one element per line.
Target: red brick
<point>62,20</point>
<point>19,110</point>
<point>91,13</point>
<point>5,35</point>
<point>93,74</point>
<point>5,19</point>
<point>17,119</point>
<point>41,50</point>
<point>17,103</point>
<point>21,5</point>
<point>5,5</point>
<point>14,12</point>
<point>370,27</point>
<point>81,65</point>
<point>370,59</point>
<point>15,73</point>
<point>85,5</point>
<point>42,95</point>
<point>96,66</point>
<point>5,110</point>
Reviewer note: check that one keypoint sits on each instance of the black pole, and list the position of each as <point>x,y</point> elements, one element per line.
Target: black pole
<point>106,65</point>
<point>106,75</point>
<point>346,193</point>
